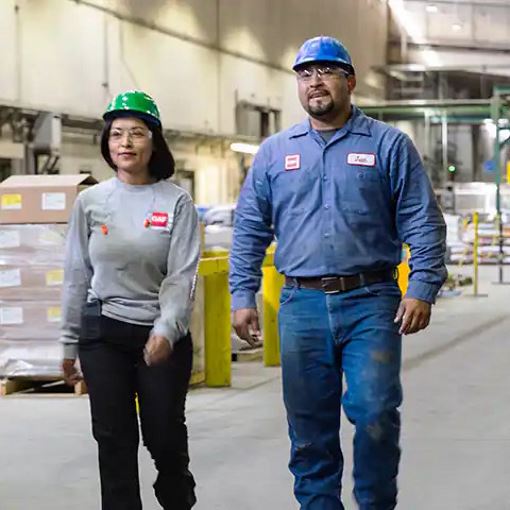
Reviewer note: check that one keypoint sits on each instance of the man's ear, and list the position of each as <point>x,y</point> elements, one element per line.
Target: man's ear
<point>351,83</point>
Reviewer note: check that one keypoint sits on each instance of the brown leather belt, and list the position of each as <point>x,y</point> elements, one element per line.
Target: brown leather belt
<point>335,284</point>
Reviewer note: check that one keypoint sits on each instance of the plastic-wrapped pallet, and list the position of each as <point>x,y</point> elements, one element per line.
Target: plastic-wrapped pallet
<point>458,250</point>
<point>31,275</point>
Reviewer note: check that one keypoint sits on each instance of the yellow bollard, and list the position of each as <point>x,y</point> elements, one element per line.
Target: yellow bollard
<point>217,326</point>
<point>403,271</point>
<point>476,221</point>
<point>272,284</point>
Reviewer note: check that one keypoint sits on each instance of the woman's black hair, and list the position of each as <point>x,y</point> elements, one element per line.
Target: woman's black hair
<point>161,164</point>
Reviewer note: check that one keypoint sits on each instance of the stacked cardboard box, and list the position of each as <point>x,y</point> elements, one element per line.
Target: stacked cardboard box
<point>33,214</point>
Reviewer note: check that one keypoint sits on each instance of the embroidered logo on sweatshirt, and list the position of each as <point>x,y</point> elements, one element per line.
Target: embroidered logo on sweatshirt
<point>159,220</point>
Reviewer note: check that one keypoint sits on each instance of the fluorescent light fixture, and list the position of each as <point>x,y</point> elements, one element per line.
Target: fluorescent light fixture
<point>417,67</point>
<point>245,148</point>
<point>456,27</point>
<point>431,8</point>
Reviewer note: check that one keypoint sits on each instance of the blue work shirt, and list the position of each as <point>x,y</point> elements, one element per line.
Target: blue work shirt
<point>338,208</point>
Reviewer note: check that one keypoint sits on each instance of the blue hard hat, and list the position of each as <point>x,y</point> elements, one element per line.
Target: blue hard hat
<point>323,49</point>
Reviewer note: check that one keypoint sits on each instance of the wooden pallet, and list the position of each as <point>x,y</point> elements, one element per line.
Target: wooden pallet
<point>52,386</point>
<point>197,378</point>
<point>256,354</point>
<point>39,386</point>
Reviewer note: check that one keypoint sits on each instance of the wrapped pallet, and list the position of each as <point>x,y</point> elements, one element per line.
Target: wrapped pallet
<point>33,215</point>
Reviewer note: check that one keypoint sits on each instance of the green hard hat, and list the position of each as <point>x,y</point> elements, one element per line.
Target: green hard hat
<point>135,101</point>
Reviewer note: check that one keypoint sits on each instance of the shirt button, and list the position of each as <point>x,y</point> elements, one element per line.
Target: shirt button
<point>326,235</point>
<point>326,206</point>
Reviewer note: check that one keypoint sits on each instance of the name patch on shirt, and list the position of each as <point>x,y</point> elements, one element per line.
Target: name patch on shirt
<point>159,220</point>
<point>292,162</point>
<point>361,159</point>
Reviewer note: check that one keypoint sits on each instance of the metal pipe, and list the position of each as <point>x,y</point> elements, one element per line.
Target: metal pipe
<point>106,61</point>
<point>403,44</point>
<point>219,66</point>
<point>123,58</point>
<point>474,3</point>
<point>74,120</point>
<point>496,107</point>
<point>447,44</point>
<point>414,67</point>
<point>430,103</point>
<point>426,117</point>
<point>444,141</point>
<point>19,53</point>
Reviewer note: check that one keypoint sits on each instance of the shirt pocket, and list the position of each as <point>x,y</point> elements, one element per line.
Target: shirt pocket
<point>367,177</point>
<point>296,191</point>
<point>365,187</point>
<point>357,214</point>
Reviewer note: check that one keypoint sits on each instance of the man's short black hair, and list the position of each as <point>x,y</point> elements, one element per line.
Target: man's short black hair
<point>161,164</point>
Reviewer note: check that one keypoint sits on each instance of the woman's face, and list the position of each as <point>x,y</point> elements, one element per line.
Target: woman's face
<point>130,144</point>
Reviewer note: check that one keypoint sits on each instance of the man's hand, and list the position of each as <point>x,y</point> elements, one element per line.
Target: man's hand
<point>246,325</point>
<point>157,350</point>
<point>71,374</point>
<point>413,314</point>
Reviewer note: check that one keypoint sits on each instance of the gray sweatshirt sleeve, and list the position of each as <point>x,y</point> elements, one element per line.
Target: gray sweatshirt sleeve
<point>177,288</point>
<point>77,275</point>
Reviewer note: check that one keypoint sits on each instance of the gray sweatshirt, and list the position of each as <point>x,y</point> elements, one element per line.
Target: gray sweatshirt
<point>135,248</point>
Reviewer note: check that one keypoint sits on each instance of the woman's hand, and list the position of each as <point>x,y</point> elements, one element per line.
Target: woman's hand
<point>157,350</point>
<point>72,375</point>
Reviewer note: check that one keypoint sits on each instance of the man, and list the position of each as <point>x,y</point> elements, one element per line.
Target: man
<point>341,192</point>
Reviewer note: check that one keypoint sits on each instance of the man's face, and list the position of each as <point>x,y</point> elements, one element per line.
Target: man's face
<point>324,89</point>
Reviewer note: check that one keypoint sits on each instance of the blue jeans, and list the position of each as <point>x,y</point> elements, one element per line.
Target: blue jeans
<point>322,337</point>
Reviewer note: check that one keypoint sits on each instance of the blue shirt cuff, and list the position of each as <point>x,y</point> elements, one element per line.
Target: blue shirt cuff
<point>243,299</point>
<point>423,291</point>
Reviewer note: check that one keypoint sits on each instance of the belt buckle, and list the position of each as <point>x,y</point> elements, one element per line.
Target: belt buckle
<point>328,279</point>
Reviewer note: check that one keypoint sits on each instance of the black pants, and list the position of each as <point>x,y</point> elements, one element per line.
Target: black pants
<point>111,356</point>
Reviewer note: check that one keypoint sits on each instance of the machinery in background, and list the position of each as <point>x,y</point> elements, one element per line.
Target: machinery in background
<point>218,226</point>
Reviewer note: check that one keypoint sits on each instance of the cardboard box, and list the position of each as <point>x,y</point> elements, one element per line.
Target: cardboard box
<point>30,320</point>
<point>40,198</point>
<point>31,283</point>
<point>28,245</point>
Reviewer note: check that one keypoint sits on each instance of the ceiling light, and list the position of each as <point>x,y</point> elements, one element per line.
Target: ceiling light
<point>456,27</point>
<point>431,8</point>
<point>245,148</point>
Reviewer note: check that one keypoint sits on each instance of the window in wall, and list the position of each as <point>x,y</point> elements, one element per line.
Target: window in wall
<point>256,120</point>
<point>185,179</point>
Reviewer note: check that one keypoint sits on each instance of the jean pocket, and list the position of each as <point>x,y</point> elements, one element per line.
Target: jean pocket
<point>287,294</point>
<point>383,289</point>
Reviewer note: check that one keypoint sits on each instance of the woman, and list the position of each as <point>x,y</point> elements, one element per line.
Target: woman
<point>132,253</point>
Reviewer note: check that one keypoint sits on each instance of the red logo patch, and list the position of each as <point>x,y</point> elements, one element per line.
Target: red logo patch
<point>159,219</point>
<point>293,162</point>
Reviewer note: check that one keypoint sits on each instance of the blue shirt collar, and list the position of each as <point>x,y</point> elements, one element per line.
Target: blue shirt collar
<point>358,123</point>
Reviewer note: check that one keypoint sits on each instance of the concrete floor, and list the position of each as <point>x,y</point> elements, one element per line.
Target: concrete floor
<point>456,434</point>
